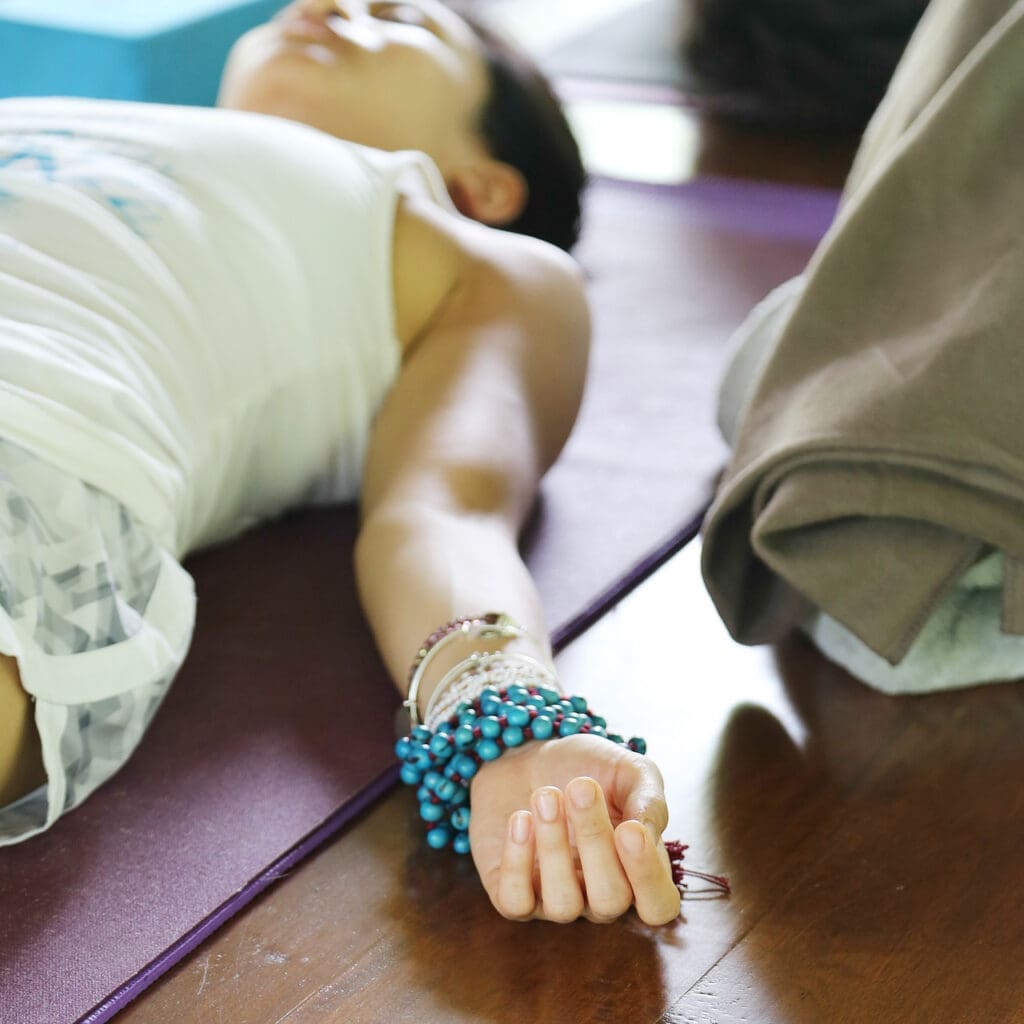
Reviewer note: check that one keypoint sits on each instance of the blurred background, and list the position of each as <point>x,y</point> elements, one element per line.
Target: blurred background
<point>645,79</point>
<point>640,77</point>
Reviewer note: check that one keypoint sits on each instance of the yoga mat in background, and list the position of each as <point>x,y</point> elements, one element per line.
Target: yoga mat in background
<point>278,729</point>
<point>671,272</point>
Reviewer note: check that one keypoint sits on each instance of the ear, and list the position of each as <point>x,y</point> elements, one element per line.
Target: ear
<point>490,191</point>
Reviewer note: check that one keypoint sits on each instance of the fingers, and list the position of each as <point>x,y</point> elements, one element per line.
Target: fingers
<point>538,876</point>
<point>608,893</point>
<point>655,895</point>
<point>540,840</point>
<point>646,794</point>
<point>638,839</point>
<point>515,897</point>
<point>561,896</point>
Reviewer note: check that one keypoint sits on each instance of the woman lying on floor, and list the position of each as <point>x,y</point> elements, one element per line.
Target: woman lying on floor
<point>209,316</point>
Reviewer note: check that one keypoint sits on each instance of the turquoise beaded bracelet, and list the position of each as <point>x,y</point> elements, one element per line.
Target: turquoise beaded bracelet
<point>442,763</point>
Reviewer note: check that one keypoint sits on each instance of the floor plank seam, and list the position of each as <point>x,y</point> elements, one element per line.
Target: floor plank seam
<point>885,742</point>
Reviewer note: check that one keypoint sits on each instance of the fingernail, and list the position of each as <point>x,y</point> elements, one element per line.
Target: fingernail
<point>519,827</point>
<point>581,793</point>
<point>547,805</point>
<point>634,840</point>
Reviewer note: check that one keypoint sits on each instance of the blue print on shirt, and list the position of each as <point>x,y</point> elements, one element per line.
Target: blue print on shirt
<point>126,178</point>
<point>44,161</point>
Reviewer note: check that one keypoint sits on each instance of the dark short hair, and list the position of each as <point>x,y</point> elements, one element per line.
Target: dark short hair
<point>522,124</point>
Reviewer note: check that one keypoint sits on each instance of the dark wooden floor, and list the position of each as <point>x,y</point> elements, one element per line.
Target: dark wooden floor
<point>874,845</point>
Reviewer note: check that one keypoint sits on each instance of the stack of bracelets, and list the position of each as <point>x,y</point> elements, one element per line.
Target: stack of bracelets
<point>485,705</point>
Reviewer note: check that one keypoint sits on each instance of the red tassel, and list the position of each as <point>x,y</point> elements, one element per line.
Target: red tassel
<point>676,852</point>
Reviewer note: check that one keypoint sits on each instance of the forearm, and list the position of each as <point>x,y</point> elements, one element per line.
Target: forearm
<point>487,394</point>
<point>420,566</point>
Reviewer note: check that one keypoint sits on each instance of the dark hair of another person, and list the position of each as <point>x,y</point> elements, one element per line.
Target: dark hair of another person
<point>811,63</point>
<point>523,125</point>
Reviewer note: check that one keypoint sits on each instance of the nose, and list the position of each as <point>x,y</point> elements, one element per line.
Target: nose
<point>349,10</point>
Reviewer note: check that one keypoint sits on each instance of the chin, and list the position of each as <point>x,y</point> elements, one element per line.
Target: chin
<point>270,74</point>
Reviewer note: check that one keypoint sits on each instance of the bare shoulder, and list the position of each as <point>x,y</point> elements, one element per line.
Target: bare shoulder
<point>444,264</point>
<point>494,321</point>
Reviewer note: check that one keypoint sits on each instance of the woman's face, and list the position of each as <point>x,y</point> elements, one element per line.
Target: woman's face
<point>407,75</point>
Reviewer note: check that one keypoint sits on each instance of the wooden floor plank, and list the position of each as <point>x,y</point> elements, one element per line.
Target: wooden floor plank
<point>908,892</point>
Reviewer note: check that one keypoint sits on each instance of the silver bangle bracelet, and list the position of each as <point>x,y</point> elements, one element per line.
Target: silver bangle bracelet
<point>502,628</point>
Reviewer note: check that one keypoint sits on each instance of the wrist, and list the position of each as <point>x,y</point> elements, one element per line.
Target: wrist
<point>499,671</point>
<point>443,763</point>
<point>446,657</point>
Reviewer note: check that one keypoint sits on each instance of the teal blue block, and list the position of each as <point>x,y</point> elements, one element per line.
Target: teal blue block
<point>161,51</point>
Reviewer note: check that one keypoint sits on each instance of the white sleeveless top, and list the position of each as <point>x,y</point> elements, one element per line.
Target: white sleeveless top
<point>196,308</point>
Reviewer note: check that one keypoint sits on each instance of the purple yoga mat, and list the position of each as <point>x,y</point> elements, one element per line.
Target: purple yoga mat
<point>278,730</point>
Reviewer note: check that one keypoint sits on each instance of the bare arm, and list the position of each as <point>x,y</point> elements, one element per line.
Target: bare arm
<point>489,389</point>
<point>486,397</point>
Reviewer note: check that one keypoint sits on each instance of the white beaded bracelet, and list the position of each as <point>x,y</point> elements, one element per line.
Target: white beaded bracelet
<point>471,676</point>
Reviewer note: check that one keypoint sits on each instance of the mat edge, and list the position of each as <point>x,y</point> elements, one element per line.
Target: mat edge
<point>134,987</point>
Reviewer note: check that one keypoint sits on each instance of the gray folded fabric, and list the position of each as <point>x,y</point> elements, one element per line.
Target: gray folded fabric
<point>882,450</point>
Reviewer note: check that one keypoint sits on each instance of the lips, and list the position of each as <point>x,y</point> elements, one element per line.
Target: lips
<point>304,26</point>
<point>307,23</point>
